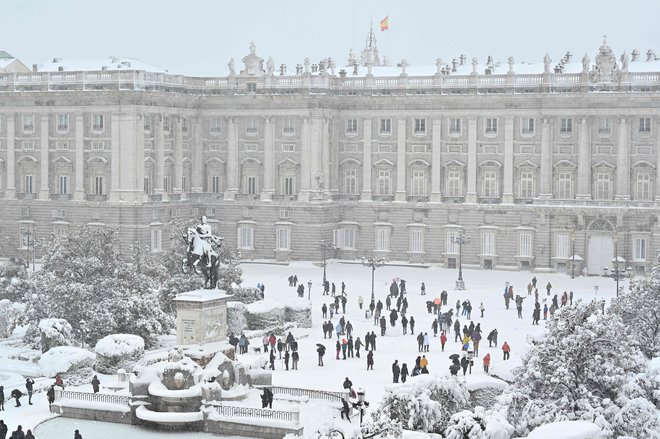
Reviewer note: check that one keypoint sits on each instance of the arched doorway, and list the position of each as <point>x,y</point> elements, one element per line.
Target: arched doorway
<point>600,248</point>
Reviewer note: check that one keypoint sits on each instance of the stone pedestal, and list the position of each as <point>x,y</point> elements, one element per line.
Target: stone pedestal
<point>460,285</point>
<point>201,316</point>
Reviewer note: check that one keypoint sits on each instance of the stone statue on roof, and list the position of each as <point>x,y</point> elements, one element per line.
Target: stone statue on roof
<point>624,61</point>
<point>546,63</point>
<point>232,70</point>
<point>585,63</point>
<point>270,66</point>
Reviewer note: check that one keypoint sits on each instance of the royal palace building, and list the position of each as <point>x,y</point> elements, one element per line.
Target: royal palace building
<point>548,166</point>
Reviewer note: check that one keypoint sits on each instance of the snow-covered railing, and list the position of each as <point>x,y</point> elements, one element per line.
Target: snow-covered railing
<point>310,393</point>
<point>92,397</point>
<point>234,411</point>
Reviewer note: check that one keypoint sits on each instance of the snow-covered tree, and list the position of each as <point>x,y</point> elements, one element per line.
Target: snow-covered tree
<point>586,368</point>
<point>13,281</point>
<point>639,310</point>
<point>85,279</point>
<point>424,403</point>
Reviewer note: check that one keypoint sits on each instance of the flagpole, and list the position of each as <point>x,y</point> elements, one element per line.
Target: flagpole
<point>388,34</point>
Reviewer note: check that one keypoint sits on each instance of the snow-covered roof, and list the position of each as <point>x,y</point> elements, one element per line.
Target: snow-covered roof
<point>91,64</point>
<point>201,295</point>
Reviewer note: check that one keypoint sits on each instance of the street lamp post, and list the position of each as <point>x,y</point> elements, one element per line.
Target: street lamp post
<point>616,273</point>
<point>309,290</point>
<point>460,239</point>
<point>573,256</point>
<point>324,247</point>
<point>373,263</point>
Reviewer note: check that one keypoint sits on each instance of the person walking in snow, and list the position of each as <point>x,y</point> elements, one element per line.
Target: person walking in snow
<point>358,344</point>
<point>16,394</point>
<point>420,342</point>
<point>370,360</point>
<point>396,371</point>
<point>570,297</point>
<point>458,307</point>
<point>426,342</point>
<point>294,360</point>
<point>338,349</point>
<point>29,386</point>
<point>486,362</point>
<point>423,289</point>
<point>492,338</point>
<point>411,322</point>
<point>457,330</point>
<point>3,429</point>
<point>324,311</point>
<point>434,327</point>
<point>350,347</point>
<point>404,324</point>
<point>388,303</point>
<point>506,350</point>
<point>272,359</point>
<point>287,356</point>
<point>96,383</point>
<point>548,287</point>
<point>404,372</point>
<point>360,301</point>
<point>443,340</point>
<point>373,341</point>
<point>321,351</point>
<point>482,308</point>
<point>2,398</point>
<point>383,325</point>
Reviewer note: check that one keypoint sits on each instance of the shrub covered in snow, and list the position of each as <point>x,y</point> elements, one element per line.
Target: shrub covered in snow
<point>264,315</point>
<point>10,314</point>
<point>53,333</point>
<point>267,315</point>
<point>236,317</point>
<point>68,361</point>
<point>299,313</point>
<point>14,282</point>
<point>247,295</point>
<point>478,424</point>
<point>425,402</point>
<point>118,351</point>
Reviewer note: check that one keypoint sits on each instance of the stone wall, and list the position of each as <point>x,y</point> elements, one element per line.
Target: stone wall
<point>237,428</point>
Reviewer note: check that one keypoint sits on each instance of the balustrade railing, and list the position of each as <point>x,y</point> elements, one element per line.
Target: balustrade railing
<point>142,80</point>
<point>232,411</point>
<point>310,393</point>
<point>93,397</point>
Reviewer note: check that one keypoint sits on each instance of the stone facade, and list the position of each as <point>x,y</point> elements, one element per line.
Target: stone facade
<point>536,162</point>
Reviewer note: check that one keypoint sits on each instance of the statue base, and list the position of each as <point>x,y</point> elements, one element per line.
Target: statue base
<point>460,285</point>
<point>201,316</point>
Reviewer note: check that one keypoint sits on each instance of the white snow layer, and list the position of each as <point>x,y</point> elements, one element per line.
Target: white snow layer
<point>60,359</point>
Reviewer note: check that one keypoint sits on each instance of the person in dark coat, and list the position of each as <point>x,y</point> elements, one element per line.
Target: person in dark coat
<point>411,322</point>
<point>454,368</point>
<point>420,342</point>
<point>95,384</point>
<point>404,372</point>
<point>50,394</point>
<point>294,360</point>
<point>404,324</point>
<point>358,345</point>
<point>272,359</point>
<point>29,386</point>
<point>77,435</point>
<point>2,398</point>
<point>286,360</point>
<point>16,394</point>
<point>348,384</point>
<point>396,371</point>
<point>321,351</point>
<point>267,398</point>
<point>345,410</point>
<point>18,434</point>
<point>383,325</point>
<point>29,435</point>
<point>373,340</point>
<point>370,360</point>
<point>464,364</point>
<point>3,429</point>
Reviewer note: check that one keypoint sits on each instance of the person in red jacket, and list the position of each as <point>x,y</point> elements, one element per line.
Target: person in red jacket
<point>443,340</point>
<point>486,362</point>
<point>507,350</point>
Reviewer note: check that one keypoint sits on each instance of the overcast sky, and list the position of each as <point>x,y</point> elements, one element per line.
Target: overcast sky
<point>198,37</point>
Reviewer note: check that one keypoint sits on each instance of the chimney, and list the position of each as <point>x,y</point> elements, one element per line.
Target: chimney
<point>60,68</point>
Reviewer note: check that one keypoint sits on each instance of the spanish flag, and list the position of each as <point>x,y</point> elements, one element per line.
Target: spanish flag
<point>384,24</point>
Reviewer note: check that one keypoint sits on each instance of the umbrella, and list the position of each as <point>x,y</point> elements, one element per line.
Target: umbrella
<point>320,345</point>
<point>437,301</point>
<point>454,357</point>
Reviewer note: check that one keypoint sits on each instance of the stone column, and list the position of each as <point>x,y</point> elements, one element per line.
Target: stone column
<point>115,157</point>
<point>507,195</point>
<point>79,193</point>
<point>159,147</point>
<point>177,184</point>
<point>138,172</point>
<point>326,157</point>
<point>197,177</point>
<point>584,162</point>
<point>44,177</point>
<point>232,161</point>
<point>546,160</point>
<point>269,158</point>
<point>305,158</point>
<point>657,160</point>
<point>10,191</point>
<point>471,195</point>
<point>623,161</point>
<point>400,194</point>
<point>366,161</point>
<point>436,166</point>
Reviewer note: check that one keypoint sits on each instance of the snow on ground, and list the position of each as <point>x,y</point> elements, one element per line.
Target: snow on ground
<point>486,286</point>
<point>566,430</point>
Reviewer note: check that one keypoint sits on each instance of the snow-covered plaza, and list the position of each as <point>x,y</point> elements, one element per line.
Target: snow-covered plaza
<point>481,287</point>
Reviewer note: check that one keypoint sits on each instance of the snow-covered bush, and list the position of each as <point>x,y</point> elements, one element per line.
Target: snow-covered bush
<point>118,351</point>
<point>53,333</point>
<point>14,282</point>
<point>638,418</point>
<point>380,425</point>
<point>265,315</point>
<point>478,424</point>
<point>71,362</point>
<point>425,402</point>
<point>246,295</point>
<point>299,313</point>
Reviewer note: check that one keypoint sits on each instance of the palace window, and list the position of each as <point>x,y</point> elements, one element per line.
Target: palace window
<point>28,187</point>
<point>350,182</point>
<point>420,126</point>
<point>454,183</point>
<point>99,187</point>
<point>382,239</point>
<point>418,186</point>
<point>645,125</point>
<point>527,184</point>
<point>416,240</point>
<point>289,185</point>
<point>62,122</point>
<point>639,249</point>
<point>562,246</point>
<point>215,125</point>
<point>488,243</point>
<point>351,126</point>
<point>384,184</point>
<point>528,125</point>
<point>603,185</point>
<point>491,125</point>
<point>604,125</point>
<point>63,184</point>
<point>525,244</point>
<point>289,125</point>
<point>455,125</point>
<point>344,238</point>
<point>490,186</point>
<point>643,186</point>
<point>565,185</point>
<point>251,125</point>
<point>452,245</point>
<point>283,238</point>
<point>28,122</point>
<point>245,238</point>
<point>215,184</point>
<point>98,122</point>
<point>386,126</point>
<point>566,125</point>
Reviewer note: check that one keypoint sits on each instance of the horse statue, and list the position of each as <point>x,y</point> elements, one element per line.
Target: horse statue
<point>202,256</point>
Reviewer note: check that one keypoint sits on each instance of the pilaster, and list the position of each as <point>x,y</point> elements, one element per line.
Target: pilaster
<point>197,184</point>
<point>366,161</point>
<point>623,161</point>
<point>471,195</point>
<point>507,195</point>
<point>546,160</point>
<point>44,177</point>
<point>584,161</point>
<point>400,194</point>
<point>436,148</point>
<point>79,193</point>
<point>232,161</point>
<point>159,147</point>
<point>10,191</point>
<point>269,158</point>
